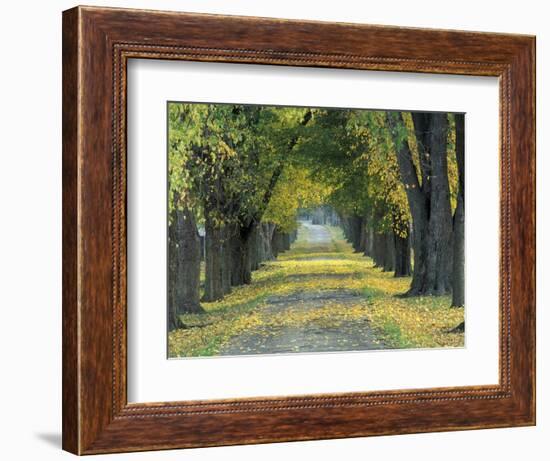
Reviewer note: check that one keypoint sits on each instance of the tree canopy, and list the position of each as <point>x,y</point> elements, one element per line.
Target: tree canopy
<point>391,177</point>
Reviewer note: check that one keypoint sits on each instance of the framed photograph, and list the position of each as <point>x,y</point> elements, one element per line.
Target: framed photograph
<point>284,230</point>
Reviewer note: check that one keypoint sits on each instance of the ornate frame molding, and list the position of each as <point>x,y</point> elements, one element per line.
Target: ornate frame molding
<point>97,43</point>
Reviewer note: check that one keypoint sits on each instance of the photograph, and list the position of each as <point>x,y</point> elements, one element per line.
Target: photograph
<point>266,231</point>
<point>313,229</point>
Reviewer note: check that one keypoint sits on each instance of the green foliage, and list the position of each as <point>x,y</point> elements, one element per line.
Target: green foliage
<point>452,167</point>
<point>243,163</point>
<point>352,153</point>
<point>223,157</point>
<point>295,190</point>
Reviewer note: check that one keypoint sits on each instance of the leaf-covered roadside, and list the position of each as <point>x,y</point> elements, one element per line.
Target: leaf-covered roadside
<point>398,322</point>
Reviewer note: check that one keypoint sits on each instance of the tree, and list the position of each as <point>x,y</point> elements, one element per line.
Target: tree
<point>428,197</point>
<point>276,133</point>
<point>226,161</point>
<point>458,218</point>
<point>184,264</point>
<point>297,189</point>
<point>183,239</point>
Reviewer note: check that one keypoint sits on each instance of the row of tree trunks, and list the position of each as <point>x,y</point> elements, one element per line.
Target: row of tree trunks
<point>440,228</point>
<point>428,196</point>
<point>232,253</point>
<point>388,250</point>
<point>322,215</point>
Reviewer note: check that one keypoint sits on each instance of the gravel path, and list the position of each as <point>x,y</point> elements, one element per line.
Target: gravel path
<point>347,336</point>
<point>317,234</point>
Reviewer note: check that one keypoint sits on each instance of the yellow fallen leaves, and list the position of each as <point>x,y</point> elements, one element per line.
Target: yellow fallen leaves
<point>421,322</point>
<point>330,315</point>
<point>417,322</point>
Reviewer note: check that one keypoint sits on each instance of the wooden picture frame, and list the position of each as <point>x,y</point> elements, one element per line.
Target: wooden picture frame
<point>97,43</point>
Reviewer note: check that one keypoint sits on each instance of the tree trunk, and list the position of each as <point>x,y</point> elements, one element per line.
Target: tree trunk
<point>379,249</point>
<point>174,321</point>
<point>458,329</point>
<point>260,244</point>
<point>267,237</point>
<point>226,260</point>
<point>253,249</point>
<point>236,261</point>
<point>292,237</point>
<point>345,227</point>
<point>184,266</point>
<point>241,273</point>
<point>439,257</point>
<point>355,224</point>
<point>277,242</point>
<point>213,281</point>
<point>369,239</point>
<point>274,242</point>
<point>429,202</point>
<point>286,241</point>
<point>402,256</point>
<point>389,252</point>
<point>458,219</point>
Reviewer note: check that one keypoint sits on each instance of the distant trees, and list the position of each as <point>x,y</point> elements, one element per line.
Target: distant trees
<point>396,178</point>
<point>353,152</point>
<point>244,173</point>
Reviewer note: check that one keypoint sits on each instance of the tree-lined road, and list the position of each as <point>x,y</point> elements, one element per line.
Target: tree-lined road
<point>283,338</point>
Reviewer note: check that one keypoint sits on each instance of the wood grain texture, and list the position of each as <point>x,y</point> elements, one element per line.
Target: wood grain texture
<point>70,383</point>
<point>97,42</point>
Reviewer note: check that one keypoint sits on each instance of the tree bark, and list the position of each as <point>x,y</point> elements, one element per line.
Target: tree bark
<point>354,226</point>
<point>226,260</point>
<point>369,237</point>
<point>439,258</point>
<point>286,241</point>
<point>458,219</point>
<point>253,249</point>
<point>213,282</point>
<point>277,242</point>
<point>267,237</point>
<point>363,236</point>
<point>389,252</point>
<point>274,243</point>
<point>260,244</point>
<point>429,202</point>
<point>241,273</point>
<point>379,249</point>
<point>184,266</point>
<point>402,256</point>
